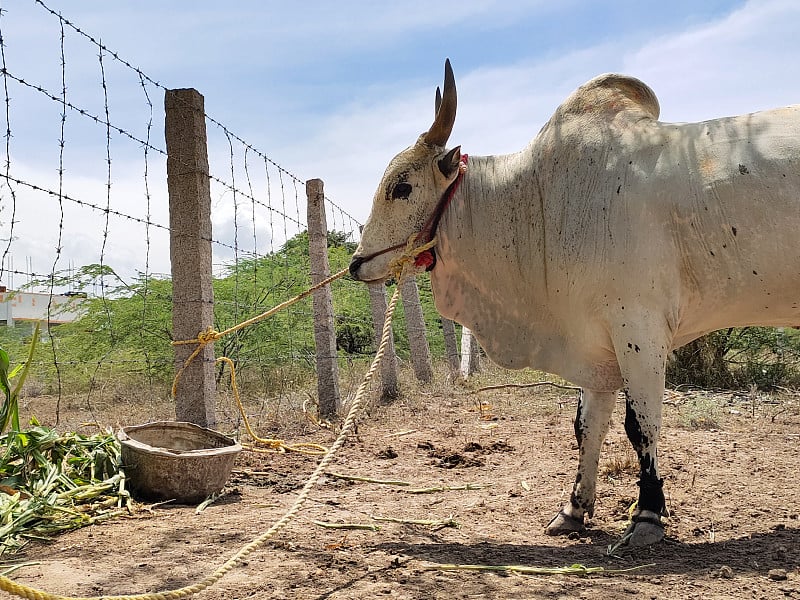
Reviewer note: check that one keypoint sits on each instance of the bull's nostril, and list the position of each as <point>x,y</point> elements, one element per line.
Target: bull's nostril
<point>354,265</point>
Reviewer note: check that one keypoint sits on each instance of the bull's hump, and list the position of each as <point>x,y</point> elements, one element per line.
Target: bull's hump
<point>610,94</point>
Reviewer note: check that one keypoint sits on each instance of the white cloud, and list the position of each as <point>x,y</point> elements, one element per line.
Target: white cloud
<point>742,63</point>
<point>42,224</point>
<point>724,67</point>
<point>736,63</point>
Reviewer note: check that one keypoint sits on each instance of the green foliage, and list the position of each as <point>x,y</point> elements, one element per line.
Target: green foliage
<point>126,333</point>
<point>10,407</point>
<point>739,357</point>
<point>53,482</point>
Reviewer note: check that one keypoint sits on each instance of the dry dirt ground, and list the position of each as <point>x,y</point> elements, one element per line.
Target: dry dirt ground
<point>730,463</point>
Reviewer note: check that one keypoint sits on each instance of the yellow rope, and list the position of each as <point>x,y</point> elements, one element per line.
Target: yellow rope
<point>23,591</point>
<point>398,265</point>
<point>272,445</point>
<point>211,335</point>
<point>400,270</point>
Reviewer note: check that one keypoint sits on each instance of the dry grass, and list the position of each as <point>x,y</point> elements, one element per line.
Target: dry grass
<point>620,463</point>
<point>700,412</point>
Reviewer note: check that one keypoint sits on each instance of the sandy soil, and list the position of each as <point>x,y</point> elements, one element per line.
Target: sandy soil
<point>729,461</point>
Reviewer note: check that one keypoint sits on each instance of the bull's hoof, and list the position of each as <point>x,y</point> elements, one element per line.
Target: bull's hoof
<point>644,530</point>
<point>644,534</point>
<point>563,524</point>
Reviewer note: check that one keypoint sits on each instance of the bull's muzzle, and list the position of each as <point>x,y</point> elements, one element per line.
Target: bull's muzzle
<point>355,264</point>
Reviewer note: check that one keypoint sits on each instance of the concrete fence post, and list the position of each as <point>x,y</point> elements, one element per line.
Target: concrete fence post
<point>190,251</point>
<point>470,353</point>
<point>450,345</point>
<point>330,402</point>
<point>415,325</point>
<point>389,387</point>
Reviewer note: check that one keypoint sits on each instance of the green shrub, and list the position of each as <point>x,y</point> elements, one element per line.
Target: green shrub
<point>766,357</point>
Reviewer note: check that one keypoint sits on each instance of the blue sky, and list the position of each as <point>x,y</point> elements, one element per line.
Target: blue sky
<point>334,89</point>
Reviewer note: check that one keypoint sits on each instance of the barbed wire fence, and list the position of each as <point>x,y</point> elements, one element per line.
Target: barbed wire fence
<point>87,210</point>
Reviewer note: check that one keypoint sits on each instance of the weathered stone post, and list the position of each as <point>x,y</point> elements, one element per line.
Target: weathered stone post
<point>190,251</point>
<point>330,402</point>
<point>415,325</point>
<point>450,345</point>
<point>470,353</point>
<point>389,387</point>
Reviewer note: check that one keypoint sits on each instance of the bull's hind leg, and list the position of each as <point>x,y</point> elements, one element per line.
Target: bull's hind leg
<point>591,427</point>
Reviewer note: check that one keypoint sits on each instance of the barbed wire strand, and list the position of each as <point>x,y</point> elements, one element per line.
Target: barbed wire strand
<point>253,221</point>
<point>147,144</point>
<point>60,198</point>
<point>148,147</point>
<point>137,70</point>
<point>145,149</point>
<point>12,192</point>
<point>103,294</point>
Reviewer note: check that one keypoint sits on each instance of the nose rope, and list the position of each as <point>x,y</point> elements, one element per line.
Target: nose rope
<point>410,255</point>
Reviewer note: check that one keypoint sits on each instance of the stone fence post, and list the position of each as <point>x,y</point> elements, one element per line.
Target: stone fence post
<point>330,402</point>
<point>190,251</point>
<point>389,386</point>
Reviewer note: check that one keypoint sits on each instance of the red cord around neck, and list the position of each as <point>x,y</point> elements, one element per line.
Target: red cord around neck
<point>427,259</point>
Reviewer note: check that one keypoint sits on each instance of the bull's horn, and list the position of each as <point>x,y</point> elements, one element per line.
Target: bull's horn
<point>442,126</point>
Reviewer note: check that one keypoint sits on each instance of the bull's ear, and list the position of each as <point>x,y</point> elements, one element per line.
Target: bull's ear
<point>448,164</point>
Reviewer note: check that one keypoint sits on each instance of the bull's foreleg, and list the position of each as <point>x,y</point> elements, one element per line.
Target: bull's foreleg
<point>591,427</point>
<point>642,369</point>
<point>642,423</point>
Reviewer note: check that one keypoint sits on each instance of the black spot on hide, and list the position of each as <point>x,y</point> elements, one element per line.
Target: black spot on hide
<point>733,230</point>
<point>743,170</point>
<point>633,429</point>
<point>651,489</point>
<point>585,505</point>
<point>577,424</point>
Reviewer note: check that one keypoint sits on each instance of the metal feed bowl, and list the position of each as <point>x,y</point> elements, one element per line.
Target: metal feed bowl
<point>172,460</point>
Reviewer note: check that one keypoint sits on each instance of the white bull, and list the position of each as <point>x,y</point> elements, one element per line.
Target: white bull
<point>610,240</point>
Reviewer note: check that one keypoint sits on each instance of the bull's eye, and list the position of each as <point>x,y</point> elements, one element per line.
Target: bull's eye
<point>401,190</point>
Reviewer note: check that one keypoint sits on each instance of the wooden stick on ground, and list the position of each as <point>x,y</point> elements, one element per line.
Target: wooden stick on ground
<point>526,385</point>
<point>366,479</point>
<point>575,569</point>
<point>435,523</point>
<point>366,526</point>
<point>447,488</point>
